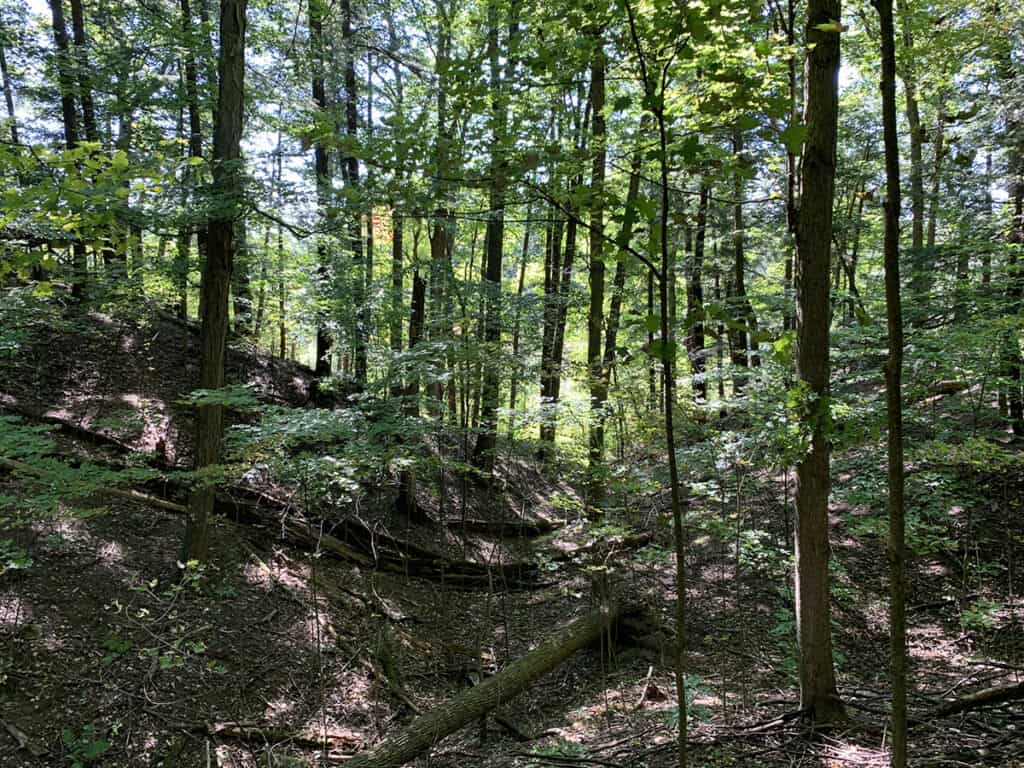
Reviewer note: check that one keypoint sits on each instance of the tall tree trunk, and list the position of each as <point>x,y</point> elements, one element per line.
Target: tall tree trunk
<point>595,316</point>
<point>695,299</point>
<point>195,126</point>
<point>282,293</point>
<point>939,142</point>
<point>66,83</point>
<point>483,454</point>
<point>82,68</point>
<point>241,281</point>
<point>792,172</point>
<point>986,256</point>
<point>920,279</point>
<point>744,347</point>
<point>513,388</point>
<point>622,242</point>
<point>322,170</point>
<point>350,167</point>
<point>182,252</point>
<point>397,219</point>
<point>818,694</point>
<point>216,282</point>
<point>12,118</point>
<point>893,384</point>
<point>549,373</point>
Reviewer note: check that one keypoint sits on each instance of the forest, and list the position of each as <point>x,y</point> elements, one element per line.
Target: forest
<point>503,383</point>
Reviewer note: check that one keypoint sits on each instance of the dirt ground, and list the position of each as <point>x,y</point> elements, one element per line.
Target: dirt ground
<point>113,654</point>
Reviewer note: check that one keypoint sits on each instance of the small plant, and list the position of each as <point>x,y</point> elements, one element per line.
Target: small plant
<point>12,557</point>
<point>981,615</point>
<point>115,647</point>
<point>85,747</point>
<point>560,748</point>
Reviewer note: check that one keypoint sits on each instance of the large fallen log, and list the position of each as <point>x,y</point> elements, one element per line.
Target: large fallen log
<point>983,698</point>
<point>430,728</point>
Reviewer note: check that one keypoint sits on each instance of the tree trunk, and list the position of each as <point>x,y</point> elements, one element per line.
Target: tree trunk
<point>92,133</point>
<point>893,396</point>
<point>483,453</point>
<point>428,729</point>
<point>513,389</point>
<point>322,171</point>
<point>744,347</point>
<point>920,279</point>
<point>216,282</point>
<point>361,274</point>
<point>595,316</point>
<point>549,371</point>
<point>241,282</point>
<point>12,120</point>
<point>818,694</point>
<point>622,242</point>
<point>66,83</point>
<point>195,130</point>
<point>695,300</point>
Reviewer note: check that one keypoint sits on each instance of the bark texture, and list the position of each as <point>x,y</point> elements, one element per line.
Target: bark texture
<point>818,695</point>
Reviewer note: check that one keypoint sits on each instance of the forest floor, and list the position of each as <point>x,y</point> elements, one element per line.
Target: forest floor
<point>276,656</point>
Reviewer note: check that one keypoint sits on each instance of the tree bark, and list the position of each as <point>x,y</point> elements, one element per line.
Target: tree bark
<point>893,392</point>
<point>486,444</point>
<point>818,694</point>
<point>92,133</point>
<point>216,281</point>
<point>920,279</point>
<point>695,299</point>
<point>428,729</point>
<point>12,119</point>
<point>595,315</point>
<point>350,168</point>
<point>66,84</point>
<point>322,171</point>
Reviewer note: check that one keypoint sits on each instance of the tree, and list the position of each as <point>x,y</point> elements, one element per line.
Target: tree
<point>595,315</point>
<point>322,171</point>
<point>66,83</point>
<point>894,398</point>
<point>216,280</point>
<point>818,694</point>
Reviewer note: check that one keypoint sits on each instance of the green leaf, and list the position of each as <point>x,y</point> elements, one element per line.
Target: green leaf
<point>831,26</point>
<point>661,351</point>
<point>793,137</point>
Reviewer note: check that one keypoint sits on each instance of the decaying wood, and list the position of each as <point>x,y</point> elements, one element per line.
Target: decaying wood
<point>427,730</point>
<point>983,698</point>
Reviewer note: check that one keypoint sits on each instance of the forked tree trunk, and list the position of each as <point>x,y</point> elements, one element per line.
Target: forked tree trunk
<point>818,694</point>
<point>216,283</point>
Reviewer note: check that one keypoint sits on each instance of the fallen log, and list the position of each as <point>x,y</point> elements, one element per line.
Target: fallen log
<point>513,528</point>
<point>983,698</point>
<point>430,728</point>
